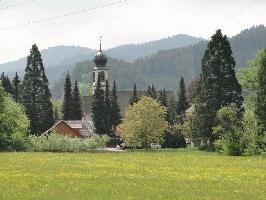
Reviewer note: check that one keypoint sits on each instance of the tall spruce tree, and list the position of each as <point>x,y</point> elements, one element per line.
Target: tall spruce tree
<point>115,108</point>
<point>98,109</point>
<point>76,103</point>
<point>16,83</point>
<point>153,92</point>
<point>172,111</point>
<point>163,98</point>
<point>134,98</point>
<point>56,115</point>
<point>68,99</point>
<point>148,92</point>
<point>36,95</point>
<point>218,85</point>
<point>6,84</point>
<point>107,119</point>
<point>182,104</point>
<point>261,98</point>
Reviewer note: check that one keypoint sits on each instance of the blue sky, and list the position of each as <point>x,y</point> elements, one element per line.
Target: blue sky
<point>134,21</point>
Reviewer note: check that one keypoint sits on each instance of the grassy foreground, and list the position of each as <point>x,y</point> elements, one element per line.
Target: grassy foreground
<point>134,175</point>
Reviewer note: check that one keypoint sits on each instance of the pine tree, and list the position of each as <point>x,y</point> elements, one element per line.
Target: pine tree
<point>68,100</point>
<point>172,108</point>
<point>6,84</point>
<point>163,98</point>
<point>261,97</point>
<point>16,83</point>
<point>36,95</point>
<point>98,109</point>
<point>56,116</point>
<point>153,92</point>
<point>218,85</point>
<point>134,98</point>
<point>107,119</point>
<point>148,92</point>
<point>115,108</point>
<point>76,103</point>
<point>182,104</point>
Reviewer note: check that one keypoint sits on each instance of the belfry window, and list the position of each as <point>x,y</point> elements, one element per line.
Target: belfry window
<point>101,76</point>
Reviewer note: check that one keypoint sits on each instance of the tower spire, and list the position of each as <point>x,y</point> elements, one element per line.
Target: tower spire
<point>101,42</point>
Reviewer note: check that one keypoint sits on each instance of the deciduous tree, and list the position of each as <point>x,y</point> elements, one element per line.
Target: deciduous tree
<point>144,123</point>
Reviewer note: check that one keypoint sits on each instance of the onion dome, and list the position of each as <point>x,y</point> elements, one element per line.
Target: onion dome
<point>100,59</point>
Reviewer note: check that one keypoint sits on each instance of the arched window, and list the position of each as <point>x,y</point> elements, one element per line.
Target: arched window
<point>101,76</point>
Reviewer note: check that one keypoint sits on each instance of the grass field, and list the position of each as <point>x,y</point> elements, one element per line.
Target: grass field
<point>134,175</point>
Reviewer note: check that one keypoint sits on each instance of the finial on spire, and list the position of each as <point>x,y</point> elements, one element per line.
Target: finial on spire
<point>101,42</point>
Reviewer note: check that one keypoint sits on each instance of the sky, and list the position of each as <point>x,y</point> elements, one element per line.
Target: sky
<point>132,21</point>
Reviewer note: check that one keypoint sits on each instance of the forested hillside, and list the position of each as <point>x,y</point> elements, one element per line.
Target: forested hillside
<point>52,57</point>
<point>164,68</point>
<point>130,52</point>
<point>59,59</point>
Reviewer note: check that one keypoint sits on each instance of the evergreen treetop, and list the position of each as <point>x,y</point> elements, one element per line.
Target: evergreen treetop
<point>115,108</point>
<point>182,104</point>
<point>153,92</point>
<point>76,103</point>
<point>36,95</point>
<point>218,85</point>
<point>98,109</point>
<point>6,84</point>
<point>16,83</point>
<point>68,100</point>
<point>134,98</point>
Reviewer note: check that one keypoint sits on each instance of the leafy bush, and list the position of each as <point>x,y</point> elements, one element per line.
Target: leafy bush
<point>13,124</point>
<point>59,143</point>
<point>229,131</point>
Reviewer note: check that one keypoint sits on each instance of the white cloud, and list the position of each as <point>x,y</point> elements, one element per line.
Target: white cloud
<point>131,22</point>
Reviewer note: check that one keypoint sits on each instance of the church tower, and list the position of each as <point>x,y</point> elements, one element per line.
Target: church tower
<point>100,71</point>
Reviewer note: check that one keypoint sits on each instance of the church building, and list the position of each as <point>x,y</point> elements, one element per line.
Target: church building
<point>100,72</point>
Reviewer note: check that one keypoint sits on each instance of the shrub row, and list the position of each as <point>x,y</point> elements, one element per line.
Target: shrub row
<point>59,143</point>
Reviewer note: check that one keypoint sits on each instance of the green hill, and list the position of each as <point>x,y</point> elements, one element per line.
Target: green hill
<point>165,67</point>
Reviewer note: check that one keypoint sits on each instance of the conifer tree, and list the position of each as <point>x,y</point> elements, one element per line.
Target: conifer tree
<point>153,92</point>
<point>56,115</point>
<point>98,109</point>
<point>163,98</point>
<point>182,104</point>
<point>261,97</point>
<point>6,84</point>
<point>76,103</point>
<point>36,95</point>
<point>218,85</point>
<point>115,108</point>
<point>172,111</point>
<point>107,110</point>
<point>16,83</point>
<point>68,100</point>
<point>148,92</point>
<point>134,98</point>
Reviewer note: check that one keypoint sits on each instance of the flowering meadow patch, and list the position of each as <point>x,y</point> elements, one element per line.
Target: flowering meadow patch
<point>176,174</point>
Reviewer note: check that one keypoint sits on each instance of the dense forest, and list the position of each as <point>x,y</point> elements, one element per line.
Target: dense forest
<point>167,66</point>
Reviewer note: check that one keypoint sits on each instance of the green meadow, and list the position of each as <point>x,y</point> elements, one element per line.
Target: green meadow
<point>166,174</point>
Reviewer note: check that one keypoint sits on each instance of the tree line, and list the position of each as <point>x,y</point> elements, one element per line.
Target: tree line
<point>221,119</point>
